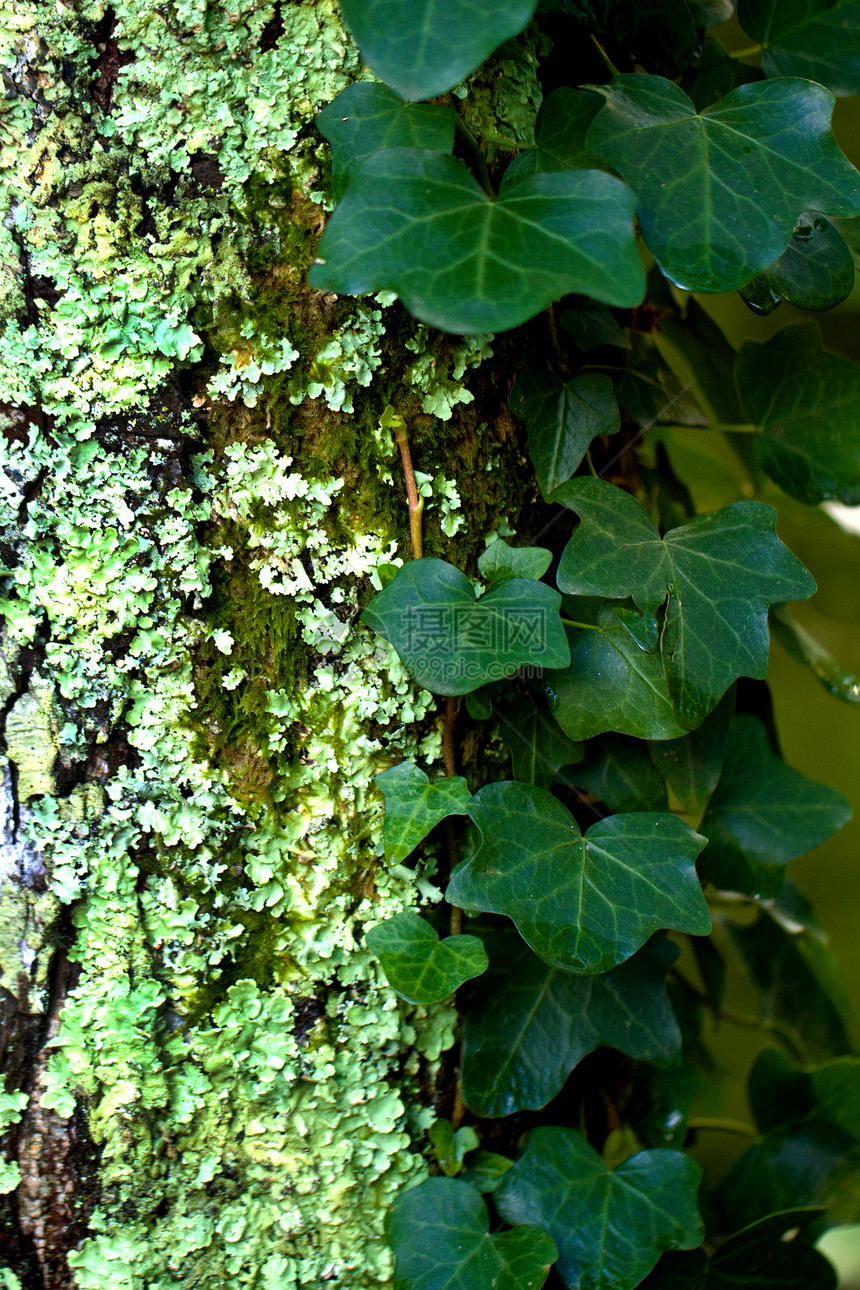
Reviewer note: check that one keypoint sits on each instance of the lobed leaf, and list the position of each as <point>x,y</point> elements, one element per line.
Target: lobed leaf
<point>420,967</point>
<point>414,806</point>
<point>820,41</point>
<point>562,419</point>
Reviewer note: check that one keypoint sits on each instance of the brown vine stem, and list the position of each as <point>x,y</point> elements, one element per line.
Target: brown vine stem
<point>392,420</point>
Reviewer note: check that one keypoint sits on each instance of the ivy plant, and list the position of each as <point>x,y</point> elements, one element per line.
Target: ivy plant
<point>591,886</point>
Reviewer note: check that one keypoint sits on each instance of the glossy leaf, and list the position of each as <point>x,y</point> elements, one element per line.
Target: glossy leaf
<point>816,271</point>
<point>804,648</point>
<point>820,41</point>
<point>528,1025</point>
<point>658,1106</point>
<point>450,643</point>
<point>367,116</point>
<point>763,814</point>
<point>560,130</point>
<point>562,419</point>
<point>501,561</point>
<point>718,574</point>
<point>770,1254</point>
<point>439,1232</point>
<point>719,193</point>
<point>619,772</point>
<point>582,903</point>
<point>806,402</point>
<point>414,806</point>
<point>425,47</point>
<point>614,682</point>
<point>420,967</point>
<point>691,765</point>
<point>809,1148</point>
<point>611,1226</point>
<point>539,748</point>
<point>417,223</point>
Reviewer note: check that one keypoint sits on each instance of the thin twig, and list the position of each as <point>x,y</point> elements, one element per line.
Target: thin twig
<point>391,420</point>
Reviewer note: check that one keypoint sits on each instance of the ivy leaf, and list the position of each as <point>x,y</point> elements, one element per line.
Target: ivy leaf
<point>691,765</point>
<point>719,192</point>
<point>809,1149</point>
<point>367,117</point>
<point>420,967</point>
<point>661,33</point>
<point>658,1106</point>
<point>591,325</point>
<point>414,806</point>
<point>528,1025</point>
<point>718,573</point>
<point>804,648</point>
<point>425,47</point>
<point>619,772</point>
<point>763,814</point>
<point>417,223</point>
<point>715,73</point>
<point>562,419</point>
<point>614,682</point>
<point>768,1254</point>
<point>560,129</point>
<point>439,1232</point>
<point>539,748</point>
<point>798,985</point>
<point>806,402</point>
<point>501,561</point>
<point>807,38</point>
<point>451,1147</point>
<point>582,903</point>
<point>486,1170</point>
<point>611,1226</point>
<point>452,644</point>
<point>816,271</point>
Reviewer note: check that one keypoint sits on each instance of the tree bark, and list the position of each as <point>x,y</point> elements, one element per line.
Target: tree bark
<point>207,1078</point>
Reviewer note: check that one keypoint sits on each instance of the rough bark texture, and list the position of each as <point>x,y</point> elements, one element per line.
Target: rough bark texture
<point>207,1079</point>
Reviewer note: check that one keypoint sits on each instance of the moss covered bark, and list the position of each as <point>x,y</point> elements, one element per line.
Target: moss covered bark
<point>207,1078</point>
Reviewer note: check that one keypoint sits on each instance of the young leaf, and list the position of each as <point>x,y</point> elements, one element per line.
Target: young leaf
<point>719,192</point>
<point>528,1025</point>
<point>425,47</point>
<point>810,1140</point>
<point>582,903</point>
<point>816,271</point>
<point>720,573</point>
<point>420,967</point>
<point>367,117</point>
<point>539,748</point>
<point>450,643</point>
<point>560,130</point>
<point>820,42</point>
<point>691,766</point>
<point>501,561</point>
<point>614,683</point>
<point>413,806</point>
<point>763,814</point>
<point>439,1232</point>
<point>806,401</point>
<point>450,1146</point>
<point>619,772</point>
<point>611,1226</point>
<point>417,223</point>
<point>562,419</point>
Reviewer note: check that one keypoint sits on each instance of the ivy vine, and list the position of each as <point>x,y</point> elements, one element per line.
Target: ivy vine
<point>640,846</point>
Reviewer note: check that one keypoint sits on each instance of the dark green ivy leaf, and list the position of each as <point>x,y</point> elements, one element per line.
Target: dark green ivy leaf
<point>810,38</point>
<point>816,271</point>
<point>719,192</point>
<point>528,1025</point>
<point>414,806</point>
<point>763,814</point>
<point>718,574</point>
<point>420,967</point>
<point>562,419</point>
<point>539,748</point>
<point>591,325</point>
<point>809,1149</point>
<point>691,766</point>
<point>658,1106</point>
<point>714,74</point>
<point>452,644</point>
<point>619,772</point>
<point>769,1255</point>
<point>611,1226</point>
<point>501,561</point>
<point>366,117</point>
<point>439,1232</point>
<point>425,47</point>
<point>582,903</point>
<point>560,130</point>
<point>660,33</point>
<point>417,223</point>
<point>806,401</point>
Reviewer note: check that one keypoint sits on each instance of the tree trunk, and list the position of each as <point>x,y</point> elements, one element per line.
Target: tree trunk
<point>208,1080</point>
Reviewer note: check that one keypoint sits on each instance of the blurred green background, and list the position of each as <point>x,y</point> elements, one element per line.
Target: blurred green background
<point>820,734</point>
